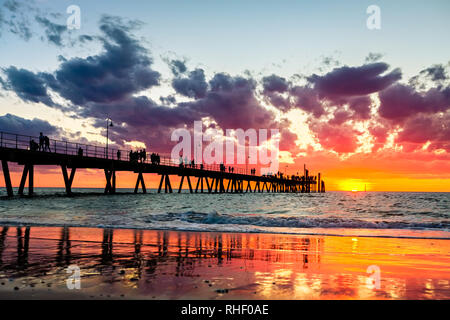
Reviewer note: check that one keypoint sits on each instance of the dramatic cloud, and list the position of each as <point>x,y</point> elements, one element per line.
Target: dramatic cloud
<point>123,69</point>
<point>177,67</point>
<point>308,100</point>
<point>355,81</point>
<point>193,86</point>
<point>401,101</point>
<point>232,103</point>
<point>114,82</point>
<point>27,85</point>
<point>427,128</point>
<point>14,124</point>
<point>275,83</point>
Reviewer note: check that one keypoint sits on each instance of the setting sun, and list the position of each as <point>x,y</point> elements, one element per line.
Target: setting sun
<point>353,185</point>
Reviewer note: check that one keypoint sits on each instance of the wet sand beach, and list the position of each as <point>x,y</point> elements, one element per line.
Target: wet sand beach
<point>149,264</point>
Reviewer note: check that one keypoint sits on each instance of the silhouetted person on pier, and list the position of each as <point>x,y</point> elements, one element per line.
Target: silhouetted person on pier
<point>47,144</point>
<point>130,156</point>
<point>33,145</point>
<point>41,141</point>
<point>118,154</point>
<point>134,156</point>
<point>192,163</point>
<point>80,152</point>
<point>153,158</point>
<point>142,155</point>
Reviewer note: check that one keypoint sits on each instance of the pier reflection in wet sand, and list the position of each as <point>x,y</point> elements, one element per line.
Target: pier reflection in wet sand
<point>149,264</point>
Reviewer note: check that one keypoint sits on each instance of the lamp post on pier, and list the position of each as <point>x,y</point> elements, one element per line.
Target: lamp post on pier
<point>109,123</point>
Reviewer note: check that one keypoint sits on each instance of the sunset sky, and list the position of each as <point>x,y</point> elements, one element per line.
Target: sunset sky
<point>363,107</point>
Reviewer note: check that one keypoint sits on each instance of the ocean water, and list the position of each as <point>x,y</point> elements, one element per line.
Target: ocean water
<point>393,214</point>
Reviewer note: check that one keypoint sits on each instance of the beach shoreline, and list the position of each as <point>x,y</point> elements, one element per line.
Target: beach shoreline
<point>159,264</point>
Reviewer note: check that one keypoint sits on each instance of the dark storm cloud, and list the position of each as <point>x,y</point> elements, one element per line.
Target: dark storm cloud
<point>232,103</point>
<point>358,105</point>
<point>193,86</point>
<point>27,85</point>
<point>141,119</point>
<point>402,101</point>
<point>274,83</point>
<point>14,124</point>
<point>273,89</point>
<point>122,69</point>
<point>177,67</point>
<point>308,100</point>
<point>355,81</point>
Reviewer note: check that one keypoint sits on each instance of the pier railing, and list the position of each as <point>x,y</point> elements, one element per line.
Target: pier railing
<point>23,142</point>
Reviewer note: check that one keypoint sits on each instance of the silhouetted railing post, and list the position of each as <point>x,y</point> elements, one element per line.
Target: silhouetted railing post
<point>16,140</point>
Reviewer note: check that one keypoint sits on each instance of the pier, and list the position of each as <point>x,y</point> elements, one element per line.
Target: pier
<point>199,178</point>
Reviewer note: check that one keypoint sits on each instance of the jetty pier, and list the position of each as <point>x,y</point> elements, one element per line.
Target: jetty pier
<point>199,178</point>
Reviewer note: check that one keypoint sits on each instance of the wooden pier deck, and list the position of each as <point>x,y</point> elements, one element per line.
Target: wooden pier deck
<point>199,178</point>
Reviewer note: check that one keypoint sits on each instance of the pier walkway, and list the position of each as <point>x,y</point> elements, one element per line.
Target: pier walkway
<point>200,178</point>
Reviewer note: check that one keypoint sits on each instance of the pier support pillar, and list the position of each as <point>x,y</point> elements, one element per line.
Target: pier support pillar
<point>110,176</point>
<point>210,186</point>
<point>23,179</point>
<point>68,180</point>
<point>7,177</point>
<point>160,183</point>
<point>198,184</point>
<point>181,184</point>
<point>140,180</point>
<point>27,171</point>
<point>167,185</point>
<point>248,187</point>
<point>189,184</point>
<point>228,185</point>
<point>217,181</point>
<point>30,179</point>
